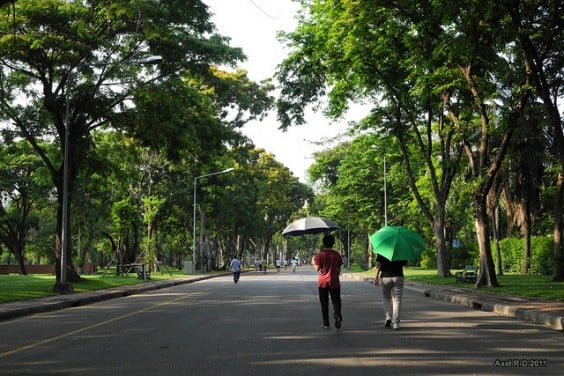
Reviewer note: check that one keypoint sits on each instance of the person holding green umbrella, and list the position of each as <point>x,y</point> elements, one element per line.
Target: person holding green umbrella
<point>394,245</point>
<point>390,274</point>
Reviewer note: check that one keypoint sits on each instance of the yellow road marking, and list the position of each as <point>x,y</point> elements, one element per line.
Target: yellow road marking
<point>36,344</point>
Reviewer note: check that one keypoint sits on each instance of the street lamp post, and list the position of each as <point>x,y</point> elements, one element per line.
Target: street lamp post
<point>157,59</point>
<point>194,218</point>
<point>374,147</point>
<point>385,196</point>
<point>64,218</point>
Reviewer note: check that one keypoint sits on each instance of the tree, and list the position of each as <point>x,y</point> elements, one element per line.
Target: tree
<point>240,216</point>
<point>20,187</point>
<point>351,185</point>
<point>358,50</point>
<point>432,74</point>
<point>74,66</point>
<point>280,195</point>
<point>538,29</point>
<point>522,180</point>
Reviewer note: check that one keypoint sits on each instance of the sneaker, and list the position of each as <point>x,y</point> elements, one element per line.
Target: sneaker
<point>338,321</point>
<point>325,326</point>
<point>395,326</point>
<point>388,323</point>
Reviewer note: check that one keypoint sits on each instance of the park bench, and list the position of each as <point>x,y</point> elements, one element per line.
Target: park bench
<point>468,275</point>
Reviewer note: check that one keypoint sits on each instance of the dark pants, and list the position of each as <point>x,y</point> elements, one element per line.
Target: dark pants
<point>335,294</point>
<point>236,276</point>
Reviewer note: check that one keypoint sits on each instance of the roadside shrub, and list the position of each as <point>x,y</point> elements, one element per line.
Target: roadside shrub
<point>542,261</point>
<point>429,259</point>
<point>465,254</point>
<point>511,254</point>
<point>542,258</point>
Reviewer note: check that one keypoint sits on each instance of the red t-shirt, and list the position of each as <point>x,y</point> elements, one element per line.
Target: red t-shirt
<point>329,262</point>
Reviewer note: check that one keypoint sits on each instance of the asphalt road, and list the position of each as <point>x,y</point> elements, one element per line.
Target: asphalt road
<point>270,324</point>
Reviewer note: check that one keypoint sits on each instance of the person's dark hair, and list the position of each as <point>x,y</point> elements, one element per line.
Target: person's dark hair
<point>328,241</point>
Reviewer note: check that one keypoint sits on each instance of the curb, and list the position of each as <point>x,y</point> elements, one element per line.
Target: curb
<point>552,321</point>
<point>53,303</point>
<point>483,303</point>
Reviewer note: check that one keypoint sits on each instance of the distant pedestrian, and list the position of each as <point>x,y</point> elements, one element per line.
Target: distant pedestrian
<point>390,274</point>
<point>294,264</point>
<point>328,263</point>
<point>236,268</point>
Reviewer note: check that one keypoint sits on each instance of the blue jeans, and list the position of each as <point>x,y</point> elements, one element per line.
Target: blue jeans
<point>236,276</point>
<point>392,289</point>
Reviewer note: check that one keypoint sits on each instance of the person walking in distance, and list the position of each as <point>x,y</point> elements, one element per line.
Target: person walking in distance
<point>294,264</point>
<point>236,268</point>
<point>390,275</point>
<point>328,263</point>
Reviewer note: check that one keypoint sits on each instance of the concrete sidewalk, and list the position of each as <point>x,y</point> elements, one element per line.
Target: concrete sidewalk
<point>546,313</point>
<point>549,313</point>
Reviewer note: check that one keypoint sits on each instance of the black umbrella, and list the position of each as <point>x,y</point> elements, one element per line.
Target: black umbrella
<point>309,225</point>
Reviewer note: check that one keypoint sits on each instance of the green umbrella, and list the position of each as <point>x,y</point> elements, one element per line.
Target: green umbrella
<point>397,243</point>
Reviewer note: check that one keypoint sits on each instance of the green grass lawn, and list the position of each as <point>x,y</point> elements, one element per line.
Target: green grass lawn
<point>15,287</point>
<point>533,286</point>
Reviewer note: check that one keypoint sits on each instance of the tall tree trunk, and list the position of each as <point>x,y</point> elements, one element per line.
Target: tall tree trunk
<point>486,277</point>
<point>71,275</point>
<point>370,256</point>
<point>495,231</point>
<point>558,247</point>
<point>267,242</point>
<point>443,263</point>
<point>526,233</point>
<point>19,253</point>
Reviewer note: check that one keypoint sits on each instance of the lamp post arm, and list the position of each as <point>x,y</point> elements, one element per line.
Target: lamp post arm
<point>212,174</point>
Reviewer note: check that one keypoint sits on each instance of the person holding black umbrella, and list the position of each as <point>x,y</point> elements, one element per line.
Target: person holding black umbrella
<point>328,263</point>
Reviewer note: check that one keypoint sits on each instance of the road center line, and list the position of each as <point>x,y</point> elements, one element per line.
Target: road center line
<point>46,341</point>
